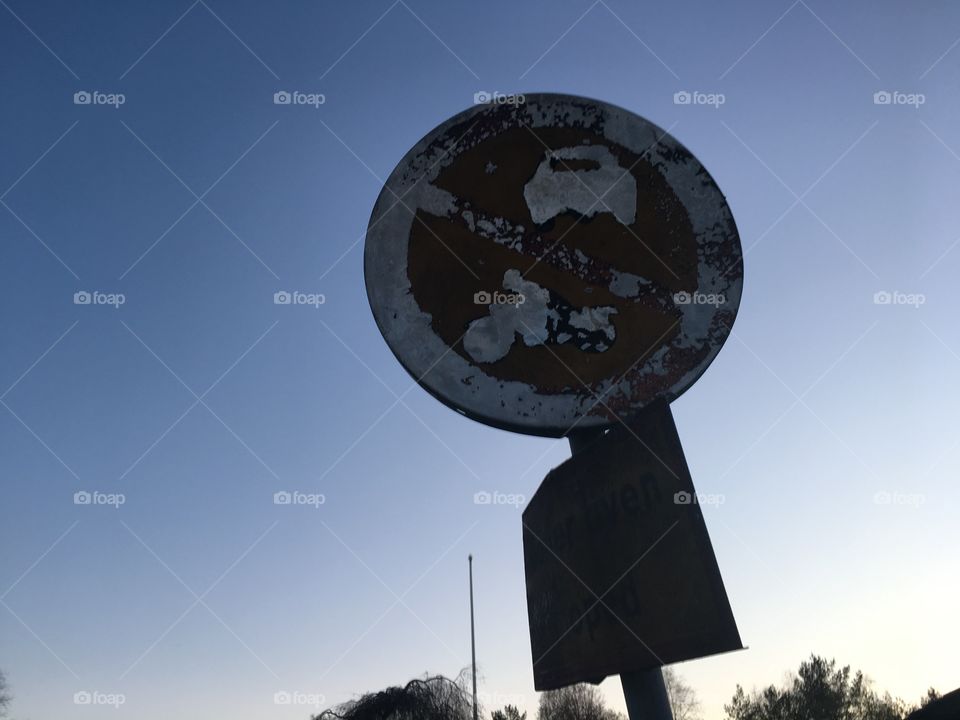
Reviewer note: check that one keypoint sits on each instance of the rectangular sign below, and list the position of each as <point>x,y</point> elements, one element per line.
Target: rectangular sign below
<point>620,572</point>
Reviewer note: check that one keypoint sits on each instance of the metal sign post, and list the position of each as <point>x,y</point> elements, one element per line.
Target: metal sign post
<point>644,690</point>
<point>646,695</point>
<point>559,266</point>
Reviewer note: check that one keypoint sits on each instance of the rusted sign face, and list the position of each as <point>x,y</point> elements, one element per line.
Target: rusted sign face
<point>546,264</point>
<point>620,572</point>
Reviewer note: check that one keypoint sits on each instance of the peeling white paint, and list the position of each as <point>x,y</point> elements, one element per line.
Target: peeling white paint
<point>593,319</point>
<point>626,285</point>
<point>490,338</point>
<point>610,188</point>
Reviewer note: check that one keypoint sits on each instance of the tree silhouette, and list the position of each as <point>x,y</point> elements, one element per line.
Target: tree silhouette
<point>819,690</point>
<point>433,698</point>
<point>5,697</point>
<point>575,702</point>
<point>683,698</point>
<point>510,712</point>
<point>930,697</point>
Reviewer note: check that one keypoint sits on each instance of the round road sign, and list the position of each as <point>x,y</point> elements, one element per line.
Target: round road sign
<point>552,263</point>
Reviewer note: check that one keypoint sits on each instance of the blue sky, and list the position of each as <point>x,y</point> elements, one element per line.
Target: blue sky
<point>827,422</point>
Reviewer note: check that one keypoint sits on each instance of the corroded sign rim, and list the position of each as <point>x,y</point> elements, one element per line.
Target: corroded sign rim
<point>519,406</point>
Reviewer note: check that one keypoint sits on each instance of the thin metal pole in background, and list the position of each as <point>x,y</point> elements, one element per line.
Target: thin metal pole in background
<point>644,691</point>
<point>473,642</point>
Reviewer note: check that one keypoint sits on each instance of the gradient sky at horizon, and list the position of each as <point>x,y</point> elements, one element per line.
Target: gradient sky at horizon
<point>199,398</point>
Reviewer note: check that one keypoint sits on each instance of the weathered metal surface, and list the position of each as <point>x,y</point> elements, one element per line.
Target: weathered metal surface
<point>616,259</point>
<point>621,576</point>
